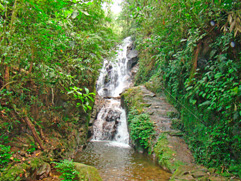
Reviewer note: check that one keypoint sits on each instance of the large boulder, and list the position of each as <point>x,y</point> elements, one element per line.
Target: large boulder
<point>132,56</point>
<point>87,172</point>
<point>43,171</point>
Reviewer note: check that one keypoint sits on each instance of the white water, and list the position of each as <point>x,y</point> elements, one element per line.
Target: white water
<point>117,73</point>
<point>114,78</point>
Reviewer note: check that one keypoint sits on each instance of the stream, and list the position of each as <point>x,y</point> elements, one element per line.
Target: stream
<point>109,150</point>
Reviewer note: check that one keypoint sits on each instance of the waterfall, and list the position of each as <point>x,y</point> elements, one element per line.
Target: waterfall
<point>115,77</point>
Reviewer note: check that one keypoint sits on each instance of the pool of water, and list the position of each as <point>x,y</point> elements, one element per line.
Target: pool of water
<point>118,162</point>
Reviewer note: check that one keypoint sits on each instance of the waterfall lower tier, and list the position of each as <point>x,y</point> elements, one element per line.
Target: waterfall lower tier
<point>111,123</point>
<point>115,77</point>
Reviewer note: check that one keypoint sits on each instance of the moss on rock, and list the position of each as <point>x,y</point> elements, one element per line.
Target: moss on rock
<point>87,172</point>
<point>13,173</point>
<point>166,155</point>
<point>133,98</point>
<point>24,170</point>
<point>195,172</point>
<point>155,84</point>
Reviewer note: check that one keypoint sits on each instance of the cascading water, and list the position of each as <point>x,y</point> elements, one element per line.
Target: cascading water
<point>111,123</point>
<point>109,150</point>
<point>114,78</point>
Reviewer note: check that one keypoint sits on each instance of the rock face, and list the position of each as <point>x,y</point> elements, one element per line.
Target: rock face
<point>132,56</point>
<point>87,172</point>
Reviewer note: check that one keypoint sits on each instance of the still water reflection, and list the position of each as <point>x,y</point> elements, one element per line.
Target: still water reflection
<point>117,162</point>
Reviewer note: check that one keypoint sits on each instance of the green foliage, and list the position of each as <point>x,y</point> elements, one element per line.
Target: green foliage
<point>66,167</point>
<point>50,55</point>
<point>141,129</point>
<point>5,155</point>
<point>193,49</point>
<point>32,148</point>
<point>217,93</point>
<point>84,98</point>
<point>62,45</point>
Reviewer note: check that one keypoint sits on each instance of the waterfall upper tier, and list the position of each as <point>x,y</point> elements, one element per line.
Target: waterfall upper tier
<point>115,76</point>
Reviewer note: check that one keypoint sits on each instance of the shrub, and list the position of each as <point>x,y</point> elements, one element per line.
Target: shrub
<point>5,155</point>
<point>66,167</point>
<point>142,129</point>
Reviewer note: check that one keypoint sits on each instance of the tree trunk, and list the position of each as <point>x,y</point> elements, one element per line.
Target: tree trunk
<point>194,62</point>
<point>27,121</point>
<point>42,133</point>
<point>14,12</point>
<point>35,134</point>
<point>6,76</point>
<point>6,71</point>
<point>31,63</point>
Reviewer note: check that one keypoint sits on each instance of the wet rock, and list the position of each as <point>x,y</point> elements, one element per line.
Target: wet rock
<point>130,47</point>
<point>116,76</point>
<point>113,115</point>
<point>132,59</point>
<point>109,67</point>
<point>105,91</point>
<point>108,97</point>
<point>198,174</point>
<point>109,130</point>
<point>107,79</point>
<point>43,171</point>
<point>132,56</point>
<point>134,70</point>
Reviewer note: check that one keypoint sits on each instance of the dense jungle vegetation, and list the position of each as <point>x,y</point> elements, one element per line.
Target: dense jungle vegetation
<point>190,50</point>
<point>50,53</point>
